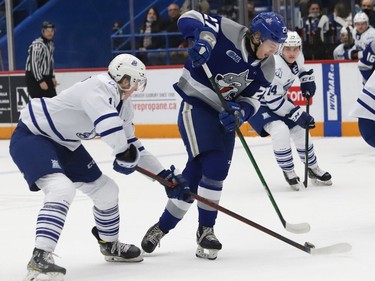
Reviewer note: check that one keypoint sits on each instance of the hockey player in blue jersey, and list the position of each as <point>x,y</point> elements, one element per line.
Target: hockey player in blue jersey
<point>283,121</point>
<point>242,64</point>
<point>47,148</point>
<point>364,108</point>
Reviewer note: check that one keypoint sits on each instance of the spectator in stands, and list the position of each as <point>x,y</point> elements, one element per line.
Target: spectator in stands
<point>251,10</point>
<point>40,76</point>
<point>152,23</point>
<point>341,52</point>
<point>340,18</point>
<point>203,6</point>
<point>316,24</point>
<point>175,41</point>
<point>229,9</point>
<point>314,29</point>
<point>116,30</point>
<point>367,7</point>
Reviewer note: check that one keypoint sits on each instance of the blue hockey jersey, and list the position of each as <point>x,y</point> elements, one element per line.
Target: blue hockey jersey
<point>240,76</point>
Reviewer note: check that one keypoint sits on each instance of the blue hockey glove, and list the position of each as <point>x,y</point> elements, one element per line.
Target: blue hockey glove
<point>126,162</point>
<point>181,191</point>
<point>302,118</point>
<point>233,119</point>
<point>308,86</point>
<point>205,40</point>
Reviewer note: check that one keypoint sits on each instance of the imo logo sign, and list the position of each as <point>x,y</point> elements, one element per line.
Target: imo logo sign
<point>22,97</point>
<point>295,94</point>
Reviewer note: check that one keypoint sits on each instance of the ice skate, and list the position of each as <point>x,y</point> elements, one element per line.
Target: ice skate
<point>208,244</point>
<point>319,177</point>
<point>152,238</point>
<point>42,267</point>
<point>293,180</point>
<point>117,251</point>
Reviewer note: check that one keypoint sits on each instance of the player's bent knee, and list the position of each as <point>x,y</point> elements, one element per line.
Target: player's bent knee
<point>57,188</point>
<point>104,192</point>
<point>278,130</point>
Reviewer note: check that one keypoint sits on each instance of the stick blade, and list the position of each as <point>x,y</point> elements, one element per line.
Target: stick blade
<point>297,228</point>
<point>333,249</point>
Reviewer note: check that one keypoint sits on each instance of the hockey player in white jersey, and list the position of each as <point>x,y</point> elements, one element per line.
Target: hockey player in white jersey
<point>363,34</point>
<point>47,148</point>
<point>364,108</point>
<point>281,119</point>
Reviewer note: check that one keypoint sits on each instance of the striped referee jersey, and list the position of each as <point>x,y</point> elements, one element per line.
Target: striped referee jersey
<point>40,59</point>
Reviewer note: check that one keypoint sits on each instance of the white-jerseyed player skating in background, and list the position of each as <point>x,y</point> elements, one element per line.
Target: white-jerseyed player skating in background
<point>46,146</point>
<point>363,34</point>
<point>364,108</point>
<point>281,119</point>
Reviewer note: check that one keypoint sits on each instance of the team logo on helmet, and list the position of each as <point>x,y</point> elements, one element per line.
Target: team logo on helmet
<point>134,63</point>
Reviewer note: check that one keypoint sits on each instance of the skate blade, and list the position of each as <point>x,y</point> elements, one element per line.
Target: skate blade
<point>50,276</point>
<point>210,254</point>
<point>317,182</point>
<point>121,259</point>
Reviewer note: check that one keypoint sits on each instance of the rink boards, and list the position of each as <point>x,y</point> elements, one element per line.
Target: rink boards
<point>338,85</point>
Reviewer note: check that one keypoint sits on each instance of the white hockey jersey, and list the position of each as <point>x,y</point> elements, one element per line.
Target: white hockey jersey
<point>285,74</point>
<point>365,104</point>
<point>362,40</point>
<point>87,109</point>
<point>339,52</point>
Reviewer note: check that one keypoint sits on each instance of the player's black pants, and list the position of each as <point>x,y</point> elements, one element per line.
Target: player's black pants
<point>34,89</point>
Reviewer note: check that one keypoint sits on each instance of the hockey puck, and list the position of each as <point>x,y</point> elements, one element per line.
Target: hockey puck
<point>309,245</point>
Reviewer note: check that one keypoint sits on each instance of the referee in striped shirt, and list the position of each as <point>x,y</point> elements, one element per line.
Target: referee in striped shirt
<point>40,77</point>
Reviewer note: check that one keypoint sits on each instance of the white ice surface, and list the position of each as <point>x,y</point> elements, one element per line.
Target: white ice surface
<point>344,212</point>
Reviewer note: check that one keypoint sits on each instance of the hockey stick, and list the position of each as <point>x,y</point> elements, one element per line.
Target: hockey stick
<point>307,145</point>
<point>307,247</point>
<point>294,228</point>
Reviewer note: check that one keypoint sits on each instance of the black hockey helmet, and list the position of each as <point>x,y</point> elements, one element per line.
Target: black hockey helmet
<point>47,24</point>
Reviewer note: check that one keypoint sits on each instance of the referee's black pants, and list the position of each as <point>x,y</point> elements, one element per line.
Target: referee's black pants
<point>34,89</point>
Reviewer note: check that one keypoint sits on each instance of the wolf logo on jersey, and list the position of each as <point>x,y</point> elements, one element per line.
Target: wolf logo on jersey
<point>231,84</point>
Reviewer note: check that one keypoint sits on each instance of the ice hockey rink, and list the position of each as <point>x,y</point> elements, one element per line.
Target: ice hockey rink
<point>344,212</point>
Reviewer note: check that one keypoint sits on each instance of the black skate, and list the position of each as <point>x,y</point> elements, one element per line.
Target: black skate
<point>319,176</point>
<point>152,238</point>
<point>117,251</point>
<point>208,244</point>
<point>43,267</point>
<point>293,180</point>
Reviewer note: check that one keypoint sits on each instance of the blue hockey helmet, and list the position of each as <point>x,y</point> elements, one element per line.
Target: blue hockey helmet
<point>270,26</point>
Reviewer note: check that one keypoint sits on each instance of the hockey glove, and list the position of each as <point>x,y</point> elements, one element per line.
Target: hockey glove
<point>181,191</point>
<point>302,118</point>
<point>205,40</point>
<point>236,116</point>
<point>127,161</point>
<point>308,86</point>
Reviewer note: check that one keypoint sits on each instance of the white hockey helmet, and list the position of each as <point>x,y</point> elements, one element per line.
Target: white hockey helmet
<point>360,17</point>
<point>292,40</point>
<point>126,65</point>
